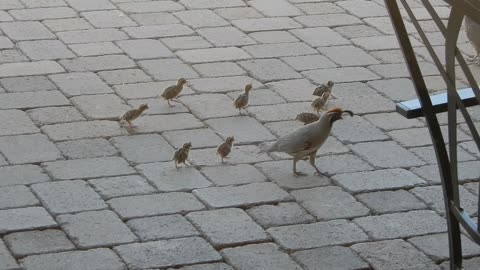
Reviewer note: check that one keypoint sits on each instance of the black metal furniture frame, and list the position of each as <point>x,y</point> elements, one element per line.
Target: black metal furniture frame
<point>451,101</point>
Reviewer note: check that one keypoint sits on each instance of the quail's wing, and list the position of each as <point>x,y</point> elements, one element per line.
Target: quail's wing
<point>240,99</point>
<point>295,141</point>
<point>320,90</point>
<point>168,92</point>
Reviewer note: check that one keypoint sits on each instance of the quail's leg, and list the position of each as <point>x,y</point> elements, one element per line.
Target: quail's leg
<point>168,101</point>
<point>240,111</point>
<point>295,160</point>
<point>312,162</point>
<point>176,166</point>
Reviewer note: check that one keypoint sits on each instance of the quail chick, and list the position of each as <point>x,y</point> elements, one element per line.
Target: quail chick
<point>472,29</point>
<point>242,100</point>
<point>323,88</point>
<point>307,118</point>
<point>181,155</point>
<point>225,148</point>
<point>131,115</point>
<point>305,141</point>
<point>173,91</point>
<point>319,103</point>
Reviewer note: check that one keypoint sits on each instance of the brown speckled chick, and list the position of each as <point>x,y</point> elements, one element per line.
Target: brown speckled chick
<point>307,118</point>
<point>323,88</point>
<point>319,103</point>
<point>181,155</point>
<point>225,148</point>
<point>242,100</point>
<point>131,115</point>
<point>173,91</point>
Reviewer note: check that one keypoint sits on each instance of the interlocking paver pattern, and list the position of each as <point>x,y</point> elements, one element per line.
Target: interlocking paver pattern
<point>79,191</point>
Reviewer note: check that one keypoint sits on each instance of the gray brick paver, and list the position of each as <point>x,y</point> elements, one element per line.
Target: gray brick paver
<point>79,190</point>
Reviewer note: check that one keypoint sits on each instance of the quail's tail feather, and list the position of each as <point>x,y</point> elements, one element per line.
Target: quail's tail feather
<point>266,147</point>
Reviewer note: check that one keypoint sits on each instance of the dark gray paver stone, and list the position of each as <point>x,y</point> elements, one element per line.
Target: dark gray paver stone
<point>436,246</point>
<point>86,148</point>
<point>96,229</point>
<point>281,173</point>
<point>167,253</point>
<point>332,258</point>
<point>16,196</point>
<point>244,195</point>
<point>121,186</point>
<point>30,68</point>
<point>104,106</point>
<point>55,115</point>
<point>7,261</point>
<point>93,259</point>
<point>394,254</point>
<point>80,83</point>
<point>210,266</point>
<point>378,180</point>
<point>266,256</point>
<point>433,197</point>
<point>27,84</point>
<point>21,219</point>
<point>144,148</point>
<point>45,49</point>
<point>97,63</point>
<point>157,204</point>
<point>22,175</point>
<point>16,122</point>
<point>28,149</point>
<point>287,213</point>
<point>233,175</point>
<point>88,168</point>
<point>37,242</point>
<point>27,100</point>
<point>91,35</point>
<point>68,196</point>
<point>26,30</point>
<point>306,236</point>
<point>397,225</point>
<point>165,177</point>
<point>327,203</point>
<point>386,154</point>
<point>246,129</point>
<point>383,202</point>
<point>162,227</point>
<point>227,227</point>
<point>469,264</point>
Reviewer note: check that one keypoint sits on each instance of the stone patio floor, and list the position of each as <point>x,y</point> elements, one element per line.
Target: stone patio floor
<point>78,192</point>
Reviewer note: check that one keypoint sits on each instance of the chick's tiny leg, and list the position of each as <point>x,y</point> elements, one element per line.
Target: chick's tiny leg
<point>312,162</point>
<point>176,166</point>
<point>169,104</point>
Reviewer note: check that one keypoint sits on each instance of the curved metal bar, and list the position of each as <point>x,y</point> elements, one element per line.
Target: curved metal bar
<point>444,163</point>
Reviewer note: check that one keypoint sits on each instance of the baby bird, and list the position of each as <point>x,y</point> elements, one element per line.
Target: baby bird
<point>133,114</point>
<point>319,103</point>
<point>323,88</point>
<point>242,100</point>
<point>225,148</point>
<point>307,118</point>
<point>304,142</point>
<point>173,91</point>
<point>181,155</point>
<point>472,29</point>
